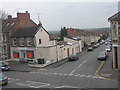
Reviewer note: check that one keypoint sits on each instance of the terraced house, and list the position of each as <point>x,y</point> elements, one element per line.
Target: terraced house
<point>10,25</point>
<point>115,26</point>
<point>34,44</point>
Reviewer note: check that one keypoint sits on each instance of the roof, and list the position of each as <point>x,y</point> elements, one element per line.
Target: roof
<point>62,43</point>
<point>22,20</point>
<point>25,32</point>
<point>115,17</point>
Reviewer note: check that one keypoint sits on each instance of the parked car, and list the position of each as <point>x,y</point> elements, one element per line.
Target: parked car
<point>3,79</point>
<point>108,49</point>
<point>73,57</point>
<point>4,67</point>
<point>94,46</point>
<point>106,43</point>
<point>90,48</point>
<point>102,56</point>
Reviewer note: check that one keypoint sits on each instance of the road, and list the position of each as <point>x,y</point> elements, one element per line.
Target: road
<point>75,74</point>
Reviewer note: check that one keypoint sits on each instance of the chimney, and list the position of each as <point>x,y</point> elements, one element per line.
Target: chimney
<point>40,24</point>
<point>9,17</point>
<point>23,16</point>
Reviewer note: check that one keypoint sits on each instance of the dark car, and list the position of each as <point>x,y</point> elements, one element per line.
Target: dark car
<point>3,79</point>
<point>4,67</point>
<point>102,56</point>
<point>90,49</point>
<point>73,57</point>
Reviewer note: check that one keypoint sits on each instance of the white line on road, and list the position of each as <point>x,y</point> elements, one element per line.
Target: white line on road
<point>89,76</point>
<point>60,74</point>
<point>33,84</point>
<point>55,73</point>
<point>66,87</point>
<point>65,74</point>
<point>82,75</point>
<point>72,72</point>
<point>12,80</point>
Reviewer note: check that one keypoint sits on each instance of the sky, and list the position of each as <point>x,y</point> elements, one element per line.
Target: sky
<point>56,14</point>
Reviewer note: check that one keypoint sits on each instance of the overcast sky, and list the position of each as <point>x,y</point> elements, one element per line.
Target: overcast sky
<point>55,15</point>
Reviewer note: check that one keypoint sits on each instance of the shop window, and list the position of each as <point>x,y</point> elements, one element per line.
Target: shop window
<point>16,54</point>
<point>30,54</point>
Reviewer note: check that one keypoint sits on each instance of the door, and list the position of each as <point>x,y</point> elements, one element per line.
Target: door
<point>23,54</point>
<point>116,57</point>
<point>68,52</point>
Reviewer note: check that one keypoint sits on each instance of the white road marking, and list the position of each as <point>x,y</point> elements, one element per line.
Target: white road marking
<point>12,80</point>
<point>89,76</point>
<point>66,87</point>
<point>65,74</point>
<point>33,84</point>
<point>72,72</point>
<point>79,65</point>
<point>94,77</point>
<point>55,73</point>
<point>60,74</point>
<point>84,61</point>
<point>82,75</point>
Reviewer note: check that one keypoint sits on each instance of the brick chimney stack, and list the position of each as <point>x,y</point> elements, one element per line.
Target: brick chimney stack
<point>23,16</point>
<point>40,24</point>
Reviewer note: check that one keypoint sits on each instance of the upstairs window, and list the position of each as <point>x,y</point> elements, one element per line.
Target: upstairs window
<point>39,41</point>
<point>29,42</point>
<point>21,41</point>
<point>14,42</point>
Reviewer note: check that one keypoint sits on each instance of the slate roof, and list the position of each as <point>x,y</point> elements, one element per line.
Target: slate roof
<point>25,32</point>
<point>115,17</point>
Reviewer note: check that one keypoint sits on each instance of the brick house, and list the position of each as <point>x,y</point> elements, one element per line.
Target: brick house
<point>10,25</point>
<point>115,27</point>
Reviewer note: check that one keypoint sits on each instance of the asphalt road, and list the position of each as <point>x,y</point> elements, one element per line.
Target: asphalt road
<point>75,74</point>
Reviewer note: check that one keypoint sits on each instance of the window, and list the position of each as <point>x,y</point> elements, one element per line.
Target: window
<point>39,41</point>
<point>15,54</point>
<point>41,61</point>
<point>21,41</point>
<point>29,43</point>
<point>30,54</point>
<point>14,42</point>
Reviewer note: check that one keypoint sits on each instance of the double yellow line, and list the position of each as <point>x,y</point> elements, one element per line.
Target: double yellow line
<point>98,71</point>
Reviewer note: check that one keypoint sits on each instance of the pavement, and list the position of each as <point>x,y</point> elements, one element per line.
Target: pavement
<point>107,71</point>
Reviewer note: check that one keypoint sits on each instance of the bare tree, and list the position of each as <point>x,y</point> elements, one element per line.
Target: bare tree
<point>3,14</point>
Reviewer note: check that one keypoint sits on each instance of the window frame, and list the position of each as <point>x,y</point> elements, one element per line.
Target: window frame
<point>29,41</point>
<point>22,42</point>
<point>14,41</point>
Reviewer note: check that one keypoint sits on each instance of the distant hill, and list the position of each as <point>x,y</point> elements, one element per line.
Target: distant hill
<point>53,32</point>
<point>99,29</point>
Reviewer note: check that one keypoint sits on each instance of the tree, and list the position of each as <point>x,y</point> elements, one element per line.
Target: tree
<point>63,33</point>
<point>3,14</point>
